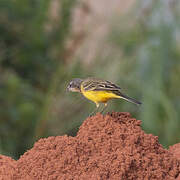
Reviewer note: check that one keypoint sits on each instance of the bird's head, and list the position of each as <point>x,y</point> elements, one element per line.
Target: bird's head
<point>75,85</point>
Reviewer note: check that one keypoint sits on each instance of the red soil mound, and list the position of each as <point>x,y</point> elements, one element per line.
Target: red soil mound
<point>106,147</point>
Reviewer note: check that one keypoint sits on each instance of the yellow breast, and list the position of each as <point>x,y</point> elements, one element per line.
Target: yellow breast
<point>99,96</point>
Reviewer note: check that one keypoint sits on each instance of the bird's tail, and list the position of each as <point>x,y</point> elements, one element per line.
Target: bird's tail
<point>132,100</point>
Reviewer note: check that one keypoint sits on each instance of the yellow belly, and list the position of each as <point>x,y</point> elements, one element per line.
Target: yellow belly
<point>99,96</point>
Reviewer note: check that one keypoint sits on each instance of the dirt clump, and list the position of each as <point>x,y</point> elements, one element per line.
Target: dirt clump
<point>106,147</point>
<point>7,167</point>
<point>175,150</point>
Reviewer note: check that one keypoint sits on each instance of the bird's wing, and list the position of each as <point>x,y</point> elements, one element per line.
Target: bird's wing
<point>99,85</point>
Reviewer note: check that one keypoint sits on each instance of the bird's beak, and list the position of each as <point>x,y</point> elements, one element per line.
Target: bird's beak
<point>67,89</point>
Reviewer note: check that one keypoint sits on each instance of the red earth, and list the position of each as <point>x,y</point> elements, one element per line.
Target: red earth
<point>106,147</point>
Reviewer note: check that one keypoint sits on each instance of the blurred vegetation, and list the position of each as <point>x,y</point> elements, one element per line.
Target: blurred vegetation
<point>150,42</point>
<point>35,69</point>
<point>31,56</point>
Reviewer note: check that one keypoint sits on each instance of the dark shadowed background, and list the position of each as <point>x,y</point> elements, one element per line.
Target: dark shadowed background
<point>44,44</point>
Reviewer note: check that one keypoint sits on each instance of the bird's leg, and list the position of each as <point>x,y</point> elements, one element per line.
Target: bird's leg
<point>105,106</point>
<point>97,106</point>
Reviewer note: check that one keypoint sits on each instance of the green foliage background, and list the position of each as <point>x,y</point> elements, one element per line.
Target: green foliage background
<point>34,71</point>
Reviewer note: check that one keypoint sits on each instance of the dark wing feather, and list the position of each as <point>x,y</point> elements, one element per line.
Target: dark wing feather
<point>109,85</point>
<point>89,85</point>
<point>99,85</point>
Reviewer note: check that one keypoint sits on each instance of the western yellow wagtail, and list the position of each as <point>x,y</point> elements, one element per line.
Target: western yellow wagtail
<point>98,90</point>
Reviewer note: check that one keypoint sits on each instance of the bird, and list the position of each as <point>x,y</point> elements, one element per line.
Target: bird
<point>98,90</point>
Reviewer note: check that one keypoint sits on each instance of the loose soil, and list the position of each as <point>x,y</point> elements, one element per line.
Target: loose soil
<point>106,147</point>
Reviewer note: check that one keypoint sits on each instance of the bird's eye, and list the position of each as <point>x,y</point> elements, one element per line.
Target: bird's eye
<point>70,84</point>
